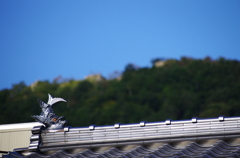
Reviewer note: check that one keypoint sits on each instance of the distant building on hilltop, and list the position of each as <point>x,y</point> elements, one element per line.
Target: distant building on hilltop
<point>95,78</point>
<point>159,63</point>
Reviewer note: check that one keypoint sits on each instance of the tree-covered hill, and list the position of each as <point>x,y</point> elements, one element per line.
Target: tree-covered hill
<point>173,89</point>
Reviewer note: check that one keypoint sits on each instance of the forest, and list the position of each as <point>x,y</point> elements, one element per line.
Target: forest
<point>175,89</point>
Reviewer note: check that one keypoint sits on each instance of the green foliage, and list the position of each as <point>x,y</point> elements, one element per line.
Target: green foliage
<point>180,89</point>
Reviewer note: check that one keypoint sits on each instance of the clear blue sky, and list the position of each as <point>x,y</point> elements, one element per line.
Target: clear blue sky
<point>40,40</point>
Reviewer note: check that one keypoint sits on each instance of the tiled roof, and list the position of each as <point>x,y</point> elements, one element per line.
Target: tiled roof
<point>141,134</point>
<point>158,139</point>
<point>193,149</point>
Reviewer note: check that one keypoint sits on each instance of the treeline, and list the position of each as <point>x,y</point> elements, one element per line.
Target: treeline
<point>173,89</point>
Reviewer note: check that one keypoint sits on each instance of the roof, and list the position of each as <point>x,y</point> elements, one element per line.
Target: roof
<point>192,149</point>
<point>18,126</point>
<point>215,137</point>
<point>15,135</point>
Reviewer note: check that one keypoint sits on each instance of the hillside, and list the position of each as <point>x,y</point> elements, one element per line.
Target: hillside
<point>177,89</point>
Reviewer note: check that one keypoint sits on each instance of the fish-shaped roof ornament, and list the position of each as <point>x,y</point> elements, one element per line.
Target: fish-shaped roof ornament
<point>48,117</point>
<point>52,100</point>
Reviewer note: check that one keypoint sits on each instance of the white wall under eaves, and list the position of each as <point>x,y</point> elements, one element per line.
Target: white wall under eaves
<point>15,135</point>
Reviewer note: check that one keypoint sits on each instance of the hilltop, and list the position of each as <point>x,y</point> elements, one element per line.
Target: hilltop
<point>170,89</point>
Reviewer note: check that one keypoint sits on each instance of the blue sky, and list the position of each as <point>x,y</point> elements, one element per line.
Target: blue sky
<point>40,40</point>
